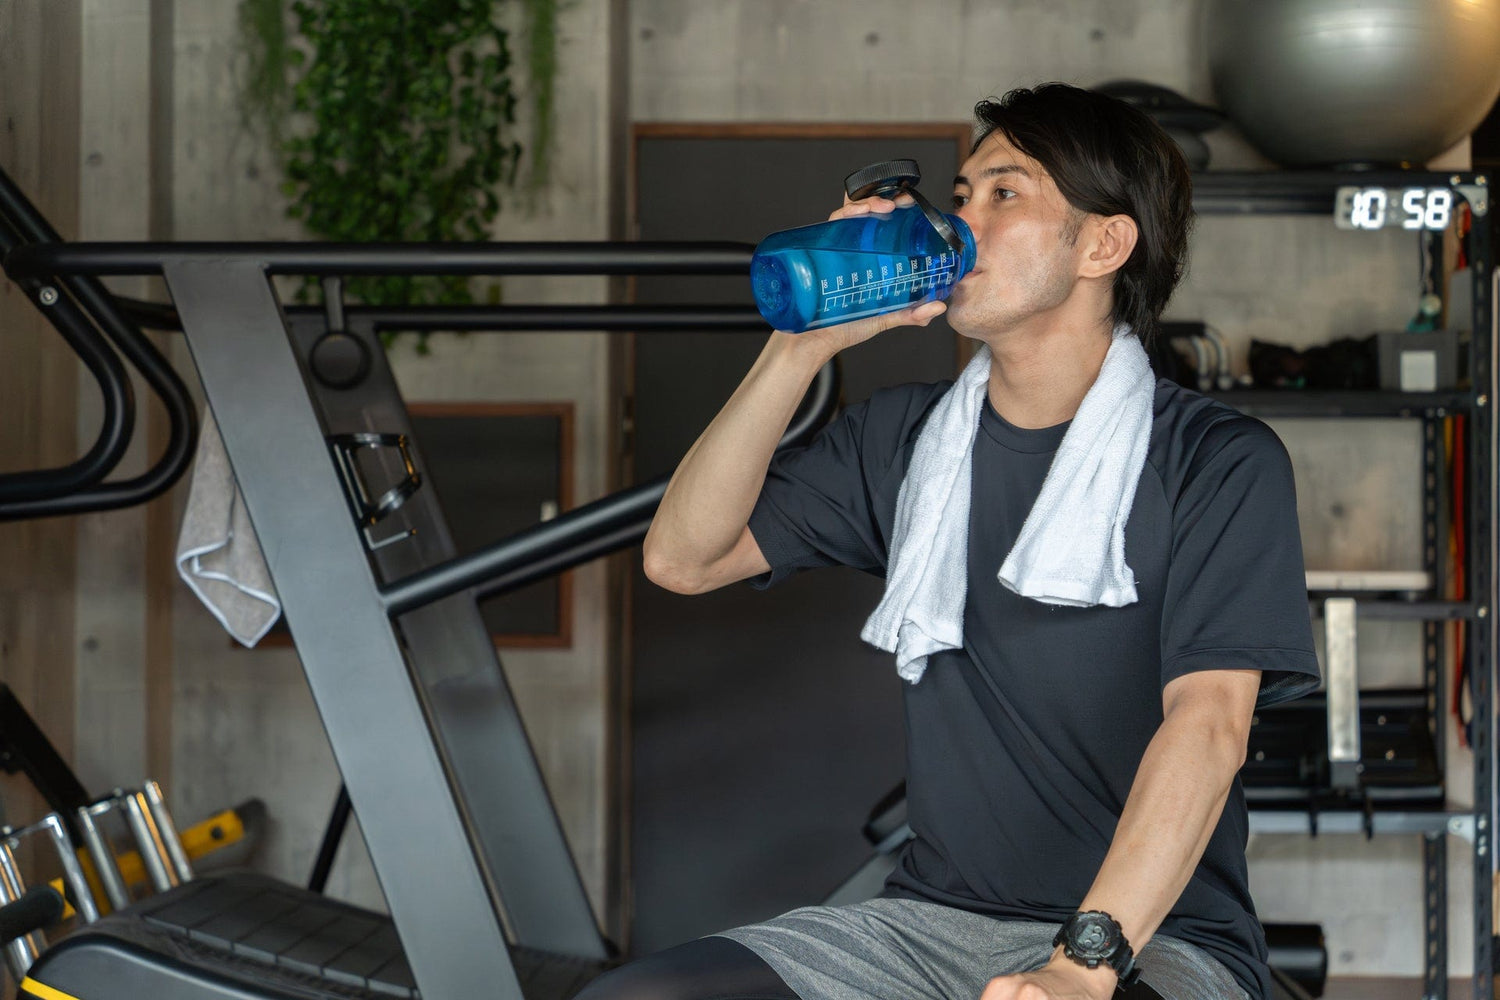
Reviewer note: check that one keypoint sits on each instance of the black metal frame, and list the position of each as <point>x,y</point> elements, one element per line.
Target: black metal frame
<point>463,838</point>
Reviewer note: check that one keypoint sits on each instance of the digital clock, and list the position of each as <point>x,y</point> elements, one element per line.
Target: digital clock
<point>1393,208</point>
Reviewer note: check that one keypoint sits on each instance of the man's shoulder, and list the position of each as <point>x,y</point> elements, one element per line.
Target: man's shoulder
<point>1191,430</point>
<point>898,410</point>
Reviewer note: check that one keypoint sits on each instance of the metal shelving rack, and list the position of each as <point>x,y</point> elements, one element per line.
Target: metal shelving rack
<point>1314,192</point>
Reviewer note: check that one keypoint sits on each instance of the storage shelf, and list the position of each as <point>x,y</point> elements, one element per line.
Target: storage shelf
<point>1299,192</point>
<point>1376,822</point>
<point>1395,609</point>
<point>1344,402</point>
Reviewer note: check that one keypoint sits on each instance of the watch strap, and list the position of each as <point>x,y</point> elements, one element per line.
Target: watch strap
<point>1121,958</point>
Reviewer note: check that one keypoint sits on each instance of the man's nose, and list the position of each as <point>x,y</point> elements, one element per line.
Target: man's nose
<point>966,213</point>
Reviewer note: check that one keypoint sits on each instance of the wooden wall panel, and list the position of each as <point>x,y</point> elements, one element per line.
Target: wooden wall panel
<point>39,114</point>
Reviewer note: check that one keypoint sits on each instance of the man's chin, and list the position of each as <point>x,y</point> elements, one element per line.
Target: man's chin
<point>961,320</point>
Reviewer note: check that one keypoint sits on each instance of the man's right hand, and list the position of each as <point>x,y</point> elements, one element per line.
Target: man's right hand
<point>834,339</point>
<point>700,539</point>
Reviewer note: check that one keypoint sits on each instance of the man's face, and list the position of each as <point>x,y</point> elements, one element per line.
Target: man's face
<point>1026,236</point>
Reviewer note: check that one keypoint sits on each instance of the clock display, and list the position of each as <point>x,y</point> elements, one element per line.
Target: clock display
<point>1393,208</point>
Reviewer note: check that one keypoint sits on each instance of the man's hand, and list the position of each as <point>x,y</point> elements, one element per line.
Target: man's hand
<point>1061,979</point>
<point>834,339</point>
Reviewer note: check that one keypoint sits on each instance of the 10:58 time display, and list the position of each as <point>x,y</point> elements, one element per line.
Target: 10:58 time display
<point>1393,208</point>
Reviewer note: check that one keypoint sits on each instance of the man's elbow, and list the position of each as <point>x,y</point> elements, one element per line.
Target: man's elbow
<point>670,575</point>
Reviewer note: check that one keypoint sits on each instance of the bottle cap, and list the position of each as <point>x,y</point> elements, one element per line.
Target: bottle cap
<point>889,178</point>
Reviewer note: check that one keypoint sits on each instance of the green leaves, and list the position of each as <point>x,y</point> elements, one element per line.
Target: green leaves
<point>392,121</point>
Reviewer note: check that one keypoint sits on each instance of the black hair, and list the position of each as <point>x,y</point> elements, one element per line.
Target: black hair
<point>1108,158</point>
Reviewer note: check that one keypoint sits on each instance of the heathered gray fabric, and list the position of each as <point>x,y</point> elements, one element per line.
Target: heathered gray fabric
<point>884,949</point>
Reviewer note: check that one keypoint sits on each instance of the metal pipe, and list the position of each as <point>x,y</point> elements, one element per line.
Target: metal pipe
<point>634,318</point>
<point>83,897</point>
<point>606,525</point>
<point>27,223</point>
<point>494,319</point>
<point>117,420</point>
<point>148,840</point>
<point>21,952</point>
<point>338,819</point>
<point>156,805</point>
<point>102,853</point>
<point>350,259</point>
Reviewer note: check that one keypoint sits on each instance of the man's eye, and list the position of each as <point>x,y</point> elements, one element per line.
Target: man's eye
<point>960,200</point>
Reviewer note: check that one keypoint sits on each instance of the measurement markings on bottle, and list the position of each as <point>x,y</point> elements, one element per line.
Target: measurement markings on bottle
<point>911,275</point>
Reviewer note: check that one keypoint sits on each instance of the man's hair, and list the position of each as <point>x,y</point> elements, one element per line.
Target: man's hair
<point>1107,158</point>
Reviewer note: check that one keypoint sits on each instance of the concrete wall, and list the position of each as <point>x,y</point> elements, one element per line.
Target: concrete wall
<point>1293,280</point>
<point>244,722</point>
<point>39,118</point>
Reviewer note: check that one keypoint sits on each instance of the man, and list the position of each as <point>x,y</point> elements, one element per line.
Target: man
<point>1072,764</point>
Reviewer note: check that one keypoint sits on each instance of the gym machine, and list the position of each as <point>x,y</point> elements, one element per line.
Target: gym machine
<point>482,891</point>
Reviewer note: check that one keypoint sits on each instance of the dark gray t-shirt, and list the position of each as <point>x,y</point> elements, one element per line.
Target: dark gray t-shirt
<point>1022,746</point>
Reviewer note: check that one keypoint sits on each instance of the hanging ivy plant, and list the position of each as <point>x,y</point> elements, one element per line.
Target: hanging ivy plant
<point>393,121</point>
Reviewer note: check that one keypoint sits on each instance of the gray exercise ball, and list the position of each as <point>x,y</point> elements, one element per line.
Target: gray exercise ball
<point>1354,82</point>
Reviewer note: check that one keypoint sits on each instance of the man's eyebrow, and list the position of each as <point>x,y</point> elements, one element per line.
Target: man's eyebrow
<point>1008,168</point>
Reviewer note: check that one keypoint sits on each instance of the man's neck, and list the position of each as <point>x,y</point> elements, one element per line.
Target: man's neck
<point>1039,376</point>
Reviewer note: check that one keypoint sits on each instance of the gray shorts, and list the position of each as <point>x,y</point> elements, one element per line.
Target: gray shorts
<point>886,948</point>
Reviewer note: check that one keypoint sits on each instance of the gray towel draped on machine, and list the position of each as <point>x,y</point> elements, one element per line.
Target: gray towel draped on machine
<point>218,554</point>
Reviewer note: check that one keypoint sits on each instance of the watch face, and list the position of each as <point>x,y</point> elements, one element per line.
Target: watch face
<point>1093,935</point>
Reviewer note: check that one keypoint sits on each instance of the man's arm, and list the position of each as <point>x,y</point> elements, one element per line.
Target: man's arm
<point>699,539</point>
<point>1174,805</point>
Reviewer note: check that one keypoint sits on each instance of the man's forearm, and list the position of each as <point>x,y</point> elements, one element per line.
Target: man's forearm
<point>1174,805</point>
<point>710,497</point>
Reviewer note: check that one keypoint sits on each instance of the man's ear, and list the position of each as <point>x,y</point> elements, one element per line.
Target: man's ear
<point>1112,240</point>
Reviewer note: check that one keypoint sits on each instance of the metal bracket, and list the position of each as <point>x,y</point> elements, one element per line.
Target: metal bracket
<point>1462,826</point>
<point>1478,197</point>
<point>1339,622</point>
<point>369,510</point>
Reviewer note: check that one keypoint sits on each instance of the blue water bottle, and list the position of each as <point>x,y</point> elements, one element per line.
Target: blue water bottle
<point>847,269</point>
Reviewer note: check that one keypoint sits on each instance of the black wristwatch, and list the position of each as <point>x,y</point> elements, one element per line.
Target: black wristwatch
<point>1092,938</point>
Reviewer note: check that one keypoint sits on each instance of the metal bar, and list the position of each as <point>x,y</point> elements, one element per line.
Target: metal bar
<point>350,259</point>
<point>182,431</point>
<point>1435,917</point>
<point>543,318</point>
<point>67,854</point>
<point>338,819</point>
<point>1480,561</point>
<point>148,841</point>
<point>156,806</point>
<point>1292,191</point>
<point>1350,821</point>
<point>485,319</point>
<point>102,853</point>
<point>97,301</point>
<point>398,781</point>
<point>24,747</point>
<point>616,521</point>
<point>519,845</point>
<point>21,952</point>
<point>1371,609</point>
<point>1339,622</point>
<point>596,529</point>
<point>117,419</point>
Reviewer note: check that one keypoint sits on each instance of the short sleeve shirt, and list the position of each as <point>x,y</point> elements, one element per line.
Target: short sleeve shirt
<point>1023,744</point>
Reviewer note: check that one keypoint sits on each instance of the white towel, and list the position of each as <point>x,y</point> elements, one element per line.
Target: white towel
<point>218,554</point>
<point>1071,549</point>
